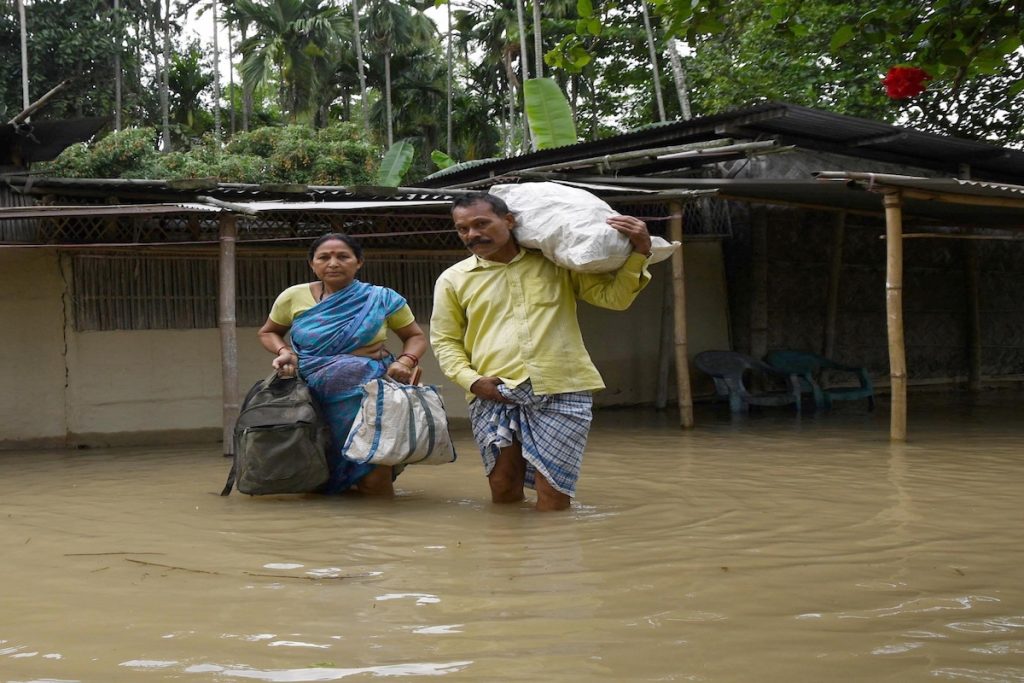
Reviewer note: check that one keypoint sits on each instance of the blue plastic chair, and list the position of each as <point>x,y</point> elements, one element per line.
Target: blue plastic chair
<point>809,366</point>
<point>731,372</point>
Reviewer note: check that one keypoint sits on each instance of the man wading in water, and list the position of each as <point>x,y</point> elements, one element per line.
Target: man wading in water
<point>504,328</point>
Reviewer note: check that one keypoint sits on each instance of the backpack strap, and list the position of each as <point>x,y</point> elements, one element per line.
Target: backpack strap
<point>231,476</point>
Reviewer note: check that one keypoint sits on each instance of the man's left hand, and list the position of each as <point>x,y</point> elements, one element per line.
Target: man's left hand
<point>635,230</point>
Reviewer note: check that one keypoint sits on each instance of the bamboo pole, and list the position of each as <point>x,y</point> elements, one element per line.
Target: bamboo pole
<point>226,321</point>
<point>973,316</point>
<point>828,347</point>
<point>675,230</point>
<point>894,315</point>
<point>759,283</point>
<point>666,347</point>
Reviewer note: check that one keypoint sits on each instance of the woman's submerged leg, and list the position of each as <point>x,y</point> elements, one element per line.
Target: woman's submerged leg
<point>378,482</point>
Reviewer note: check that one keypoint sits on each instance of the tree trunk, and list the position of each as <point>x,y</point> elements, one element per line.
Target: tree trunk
<point>165,105</point>
<point>231,78</point>
<point>538,42</point>
<point>654,61</point>
<point>364,105</point>
<point>387,96</point>
<point>118,42</point>
<point>524,66</point>
<point>24,56</point>
<point>679,75</point>
<point>451,66</point>
<point>216,76</point>
<point>246,99</point>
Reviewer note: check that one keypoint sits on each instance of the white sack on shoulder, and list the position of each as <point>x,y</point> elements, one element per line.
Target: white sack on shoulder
<point>567,224</point>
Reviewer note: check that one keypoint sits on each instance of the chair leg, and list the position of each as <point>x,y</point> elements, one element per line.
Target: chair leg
<point>736,403</point>
<point>871,403</point>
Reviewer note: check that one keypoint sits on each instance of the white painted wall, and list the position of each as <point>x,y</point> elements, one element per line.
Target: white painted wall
<point>159,386</point>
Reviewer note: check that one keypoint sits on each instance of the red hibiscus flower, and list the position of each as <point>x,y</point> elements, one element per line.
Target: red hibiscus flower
<point>905,81</point>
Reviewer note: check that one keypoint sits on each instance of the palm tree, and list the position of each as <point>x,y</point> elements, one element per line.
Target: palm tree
<point>395,29</point>
<point>290,41</point>
<point>357,40</point>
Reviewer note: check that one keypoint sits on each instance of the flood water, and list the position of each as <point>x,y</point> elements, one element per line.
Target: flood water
<point>768,549</point>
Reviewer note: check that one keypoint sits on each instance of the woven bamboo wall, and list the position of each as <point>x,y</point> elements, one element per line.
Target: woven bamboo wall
<point>935,295</point>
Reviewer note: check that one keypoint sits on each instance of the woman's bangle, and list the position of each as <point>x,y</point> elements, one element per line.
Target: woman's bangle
<point>415,360</point>
<point>285,348</point>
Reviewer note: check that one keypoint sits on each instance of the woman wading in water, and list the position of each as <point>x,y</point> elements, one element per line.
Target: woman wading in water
<point>338,328</point>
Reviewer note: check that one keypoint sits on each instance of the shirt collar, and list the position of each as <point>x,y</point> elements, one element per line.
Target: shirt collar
<point>474,262</point>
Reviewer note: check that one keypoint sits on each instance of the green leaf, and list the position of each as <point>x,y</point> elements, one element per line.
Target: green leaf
<point>548,114</point>
<point>395,164</point>
<point>440,3</point>
<point>584,8</point>
<point>1015,89</point>
<point>579,57</point>
<point>594,27</point>
<point>442,160</point>
<point>1008,44</point>
<point>953,57</point>
<point>841,37</point>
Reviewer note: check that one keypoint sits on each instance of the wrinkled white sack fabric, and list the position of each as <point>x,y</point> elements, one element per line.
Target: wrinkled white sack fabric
<point>568,226</point>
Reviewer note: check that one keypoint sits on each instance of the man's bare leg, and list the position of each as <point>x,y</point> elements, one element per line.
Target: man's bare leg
<point>377,482</point>
<point>507,476</point>
<point>549,499</point>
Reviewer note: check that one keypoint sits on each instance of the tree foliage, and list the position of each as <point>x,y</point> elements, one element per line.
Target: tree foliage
<point>298,154</point>
<point>833,55</point>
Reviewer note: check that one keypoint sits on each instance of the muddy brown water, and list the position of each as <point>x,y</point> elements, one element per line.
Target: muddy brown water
<point>766,549</point>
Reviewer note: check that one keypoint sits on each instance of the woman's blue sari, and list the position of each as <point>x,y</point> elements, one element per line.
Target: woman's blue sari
<point>324,338</point>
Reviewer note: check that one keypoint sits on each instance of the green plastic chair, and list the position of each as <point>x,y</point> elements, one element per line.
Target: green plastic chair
<point>732,371</point>
<point>809,366</point>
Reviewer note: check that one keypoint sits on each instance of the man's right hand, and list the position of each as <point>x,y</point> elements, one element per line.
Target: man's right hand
<point>487,388</point>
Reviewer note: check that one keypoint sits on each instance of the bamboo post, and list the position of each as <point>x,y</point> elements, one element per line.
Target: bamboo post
<point>665,346</point>
<point>675,230</point>
<point>226,321</point>
<point>894,315</point>
<point>973,316</point>
<point>759,283</point>
<point>828,347</point>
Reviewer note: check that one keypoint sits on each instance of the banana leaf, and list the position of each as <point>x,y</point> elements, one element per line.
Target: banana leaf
<point>548,113</point>
<point>395,164</point>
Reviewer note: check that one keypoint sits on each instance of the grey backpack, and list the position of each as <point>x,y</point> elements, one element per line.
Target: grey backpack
<point>280,440</point>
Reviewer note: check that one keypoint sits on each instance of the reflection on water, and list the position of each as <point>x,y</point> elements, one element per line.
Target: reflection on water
<point>767,549</point>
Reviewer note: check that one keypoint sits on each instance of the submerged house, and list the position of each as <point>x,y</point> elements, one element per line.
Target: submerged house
<point>821,213</point>
<point>136,302</point>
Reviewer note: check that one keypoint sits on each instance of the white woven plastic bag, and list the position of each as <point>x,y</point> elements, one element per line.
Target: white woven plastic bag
<point>568,226</point>
<point>400,424</point>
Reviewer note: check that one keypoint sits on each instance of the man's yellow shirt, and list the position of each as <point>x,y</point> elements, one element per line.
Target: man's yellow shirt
<point>517,320</point>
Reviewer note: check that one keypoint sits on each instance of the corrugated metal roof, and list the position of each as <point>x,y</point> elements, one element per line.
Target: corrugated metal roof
<point>789,124</point>
<point>188,189</point>
<point>953,188</point>
<point>53,211</point>
<point>849,192</point>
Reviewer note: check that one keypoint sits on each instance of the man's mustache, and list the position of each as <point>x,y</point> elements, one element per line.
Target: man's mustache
<point>478,241</point>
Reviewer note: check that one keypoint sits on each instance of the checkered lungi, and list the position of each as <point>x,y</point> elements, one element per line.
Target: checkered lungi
<point>552,430</point>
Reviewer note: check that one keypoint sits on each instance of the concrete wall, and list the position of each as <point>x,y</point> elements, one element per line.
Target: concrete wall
<point>159,386</point>
<point>32,407</point>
